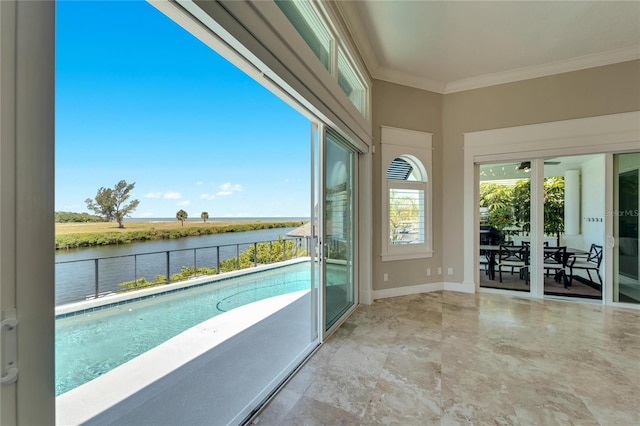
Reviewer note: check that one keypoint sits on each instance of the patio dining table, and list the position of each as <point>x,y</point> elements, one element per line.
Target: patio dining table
<point>492,250</point>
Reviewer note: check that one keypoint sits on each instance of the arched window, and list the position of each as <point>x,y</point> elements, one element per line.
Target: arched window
<point>406,161</point>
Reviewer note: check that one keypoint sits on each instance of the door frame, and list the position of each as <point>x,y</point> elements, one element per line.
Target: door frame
<point>27,86</point>
<point>606,134</point>
<point>356,267</point>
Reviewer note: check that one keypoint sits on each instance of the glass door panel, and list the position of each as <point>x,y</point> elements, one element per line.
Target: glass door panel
<point>626,285</point>
<point>574,196</point>
<point>504,225</point>
<point>338,228</point>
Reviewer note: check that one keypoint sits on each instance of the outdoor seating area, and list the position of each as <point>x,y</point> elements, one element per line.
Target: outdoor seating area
<point>567,270</point>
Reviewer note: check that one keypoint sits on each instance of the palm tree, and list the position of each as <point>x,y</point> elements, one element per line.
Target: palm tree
<point>182,216</point>
<point>204,216</point>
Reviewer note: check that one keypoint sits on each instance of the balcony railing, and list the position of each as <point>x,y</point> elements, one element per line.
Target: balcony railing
<point>79,280</point>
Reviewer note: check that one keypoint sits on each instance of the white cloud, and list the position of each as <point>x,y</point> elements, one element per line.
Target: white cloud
<point>207,196</point>
<point>228,189</point>
<point>172,195</point>
<point>184,203</point>
<point>154,195</point>
<point>199,182</point>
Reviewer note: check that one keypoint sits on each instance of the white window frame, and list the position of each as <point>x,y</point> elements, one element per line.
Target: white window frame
<point>324,22</point>
<point>399,143</point>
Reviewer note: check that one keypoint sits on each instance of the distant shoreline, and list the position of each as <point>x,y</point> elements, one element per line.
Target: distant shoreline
<point>90,234</point>
<point>219,219</point>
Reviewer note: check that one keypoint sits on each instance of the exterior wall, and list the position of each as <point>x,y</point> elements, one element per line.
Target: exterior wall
<point>593,202</point>
<point>596,91</point>
<point>408,108</point>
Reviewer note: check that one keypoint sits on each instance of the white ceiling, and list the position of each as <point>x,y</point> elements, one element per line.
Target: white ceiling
<point>449,46</point>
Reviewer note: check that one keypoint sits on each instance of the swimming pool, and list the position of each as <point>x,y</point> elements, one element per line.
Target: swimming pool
<point>93,343</point>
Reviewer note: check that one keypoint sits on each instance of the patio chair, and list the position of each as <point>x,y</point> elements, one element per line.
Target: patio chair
<point>513,257</point>
<point>555,259</point>
<point>590,263</point>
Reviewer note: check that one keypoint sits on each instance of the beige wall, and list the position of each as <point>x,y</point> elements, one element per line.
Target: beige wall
<point>597,91</point>
<point>407,108</point>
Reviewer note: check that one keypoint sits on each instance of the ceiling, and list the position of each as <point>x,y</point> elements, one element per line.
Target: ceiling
<point>449,46</point>
<point>556,166</point>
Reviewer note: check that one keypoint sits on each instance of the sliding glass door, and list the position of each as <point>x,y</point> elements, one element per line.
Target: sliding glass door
<point>574,197</point>
<point>626,275</point>
<point>504,206</point>
<point>338,230</point>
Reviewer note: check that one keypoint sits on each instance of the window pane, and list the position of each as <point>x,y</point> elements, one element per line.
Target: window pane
<point>349,82</point>
<point>406,216</point>
<point>504,200</point>
<point>339,229</point>
<point>308,24</point>
<point>626,274</point>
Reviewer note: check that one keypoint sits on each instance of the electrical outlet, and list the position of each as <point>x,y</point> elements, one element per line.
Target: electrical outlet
<point>385,277</point>
<point>428,272</point>
<point>439,270</point>
<point>450,270</point>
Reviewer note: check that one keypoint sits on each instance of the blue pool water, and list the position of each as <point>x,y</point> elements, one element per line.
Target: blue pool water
<point>91,344</point>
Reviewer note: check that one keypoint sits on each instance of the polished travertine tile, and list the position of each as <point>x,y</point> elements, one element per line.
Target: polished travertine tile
<point>452,358</point>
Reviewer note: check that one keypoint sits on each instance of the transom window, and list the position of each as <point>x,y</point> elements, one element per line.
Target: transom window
<point>313,24</point>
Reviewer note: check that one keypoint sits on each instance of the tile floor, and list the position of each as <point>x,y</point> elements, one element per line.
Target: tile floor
<point>451,358</point>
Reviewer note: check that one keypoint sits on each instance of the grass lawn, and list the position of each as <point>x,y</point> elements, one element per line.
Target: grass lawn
<point>102,227</point>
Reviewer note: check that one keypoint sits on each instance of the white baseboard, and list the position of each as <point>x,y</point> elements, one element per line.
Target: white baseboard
<point>423,288</point>
<point>465,287</point>
<point>405,291</point>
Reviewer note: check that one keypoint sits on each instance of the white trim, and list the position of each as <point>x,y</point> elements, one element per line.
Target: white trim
<point>421,288</point>
<point>459,287</point>
<point>406,79</point>
<point>394,143</point>
<point>365,228</point>
<point>377,71</point>
<point>574,64</point>
<point>407,290</point>
<point>592,135</point>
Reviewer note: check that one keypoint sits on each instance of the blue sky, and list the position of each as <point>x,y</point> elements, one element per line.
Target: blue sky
<point>140,99</point>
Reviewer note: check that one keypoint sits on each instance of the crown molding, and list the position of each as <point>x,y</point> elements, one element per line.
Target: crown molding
<point>574,64</point>
<point>356,30</point>
<point>406,79</point>
<point>353,25</point>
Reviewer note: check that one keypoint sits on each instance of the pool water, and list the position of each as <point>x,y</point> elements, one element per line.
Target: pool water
<point>92,344</point>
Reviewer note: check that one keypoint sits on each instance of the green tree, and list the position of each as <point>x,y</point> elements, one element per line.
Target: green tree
<point>204,216</point>
<point>403,212</point>
<point>182,216</point>
<point>499,200</point>
<point>554,207</point>
<point>112,203</point>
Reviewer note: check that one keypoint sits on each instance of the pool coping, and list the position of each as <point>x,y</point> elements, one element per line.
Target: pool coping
<point>86,401</point>
<point>119,299</point>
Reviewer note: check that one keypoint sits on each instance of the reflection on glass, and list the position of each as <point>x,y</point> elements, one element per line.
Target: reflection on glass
<point>627,250</point>
<point>338,229</point>
<point>573,225</point>
<point>504,226</point>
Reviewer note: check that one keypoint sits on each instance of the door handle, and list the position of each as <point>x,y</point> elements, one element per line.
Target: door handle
<point>9,336</point>
<point>611,242</point>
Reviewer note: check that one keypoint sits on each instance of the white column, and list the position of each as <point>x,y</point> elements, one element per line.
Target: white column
<point>572,202</point>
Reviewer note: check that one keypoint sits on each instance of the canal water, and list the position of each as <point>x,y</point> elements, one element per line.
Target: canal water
<point>76,268</point>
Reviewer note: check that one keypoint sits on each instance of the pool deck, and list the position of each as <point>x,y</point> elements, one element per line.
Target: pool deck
<point>122,392</point>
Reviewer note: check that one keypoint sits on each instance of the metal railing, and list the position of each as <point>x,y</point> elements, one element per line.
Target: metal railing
<point>79,280</point>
